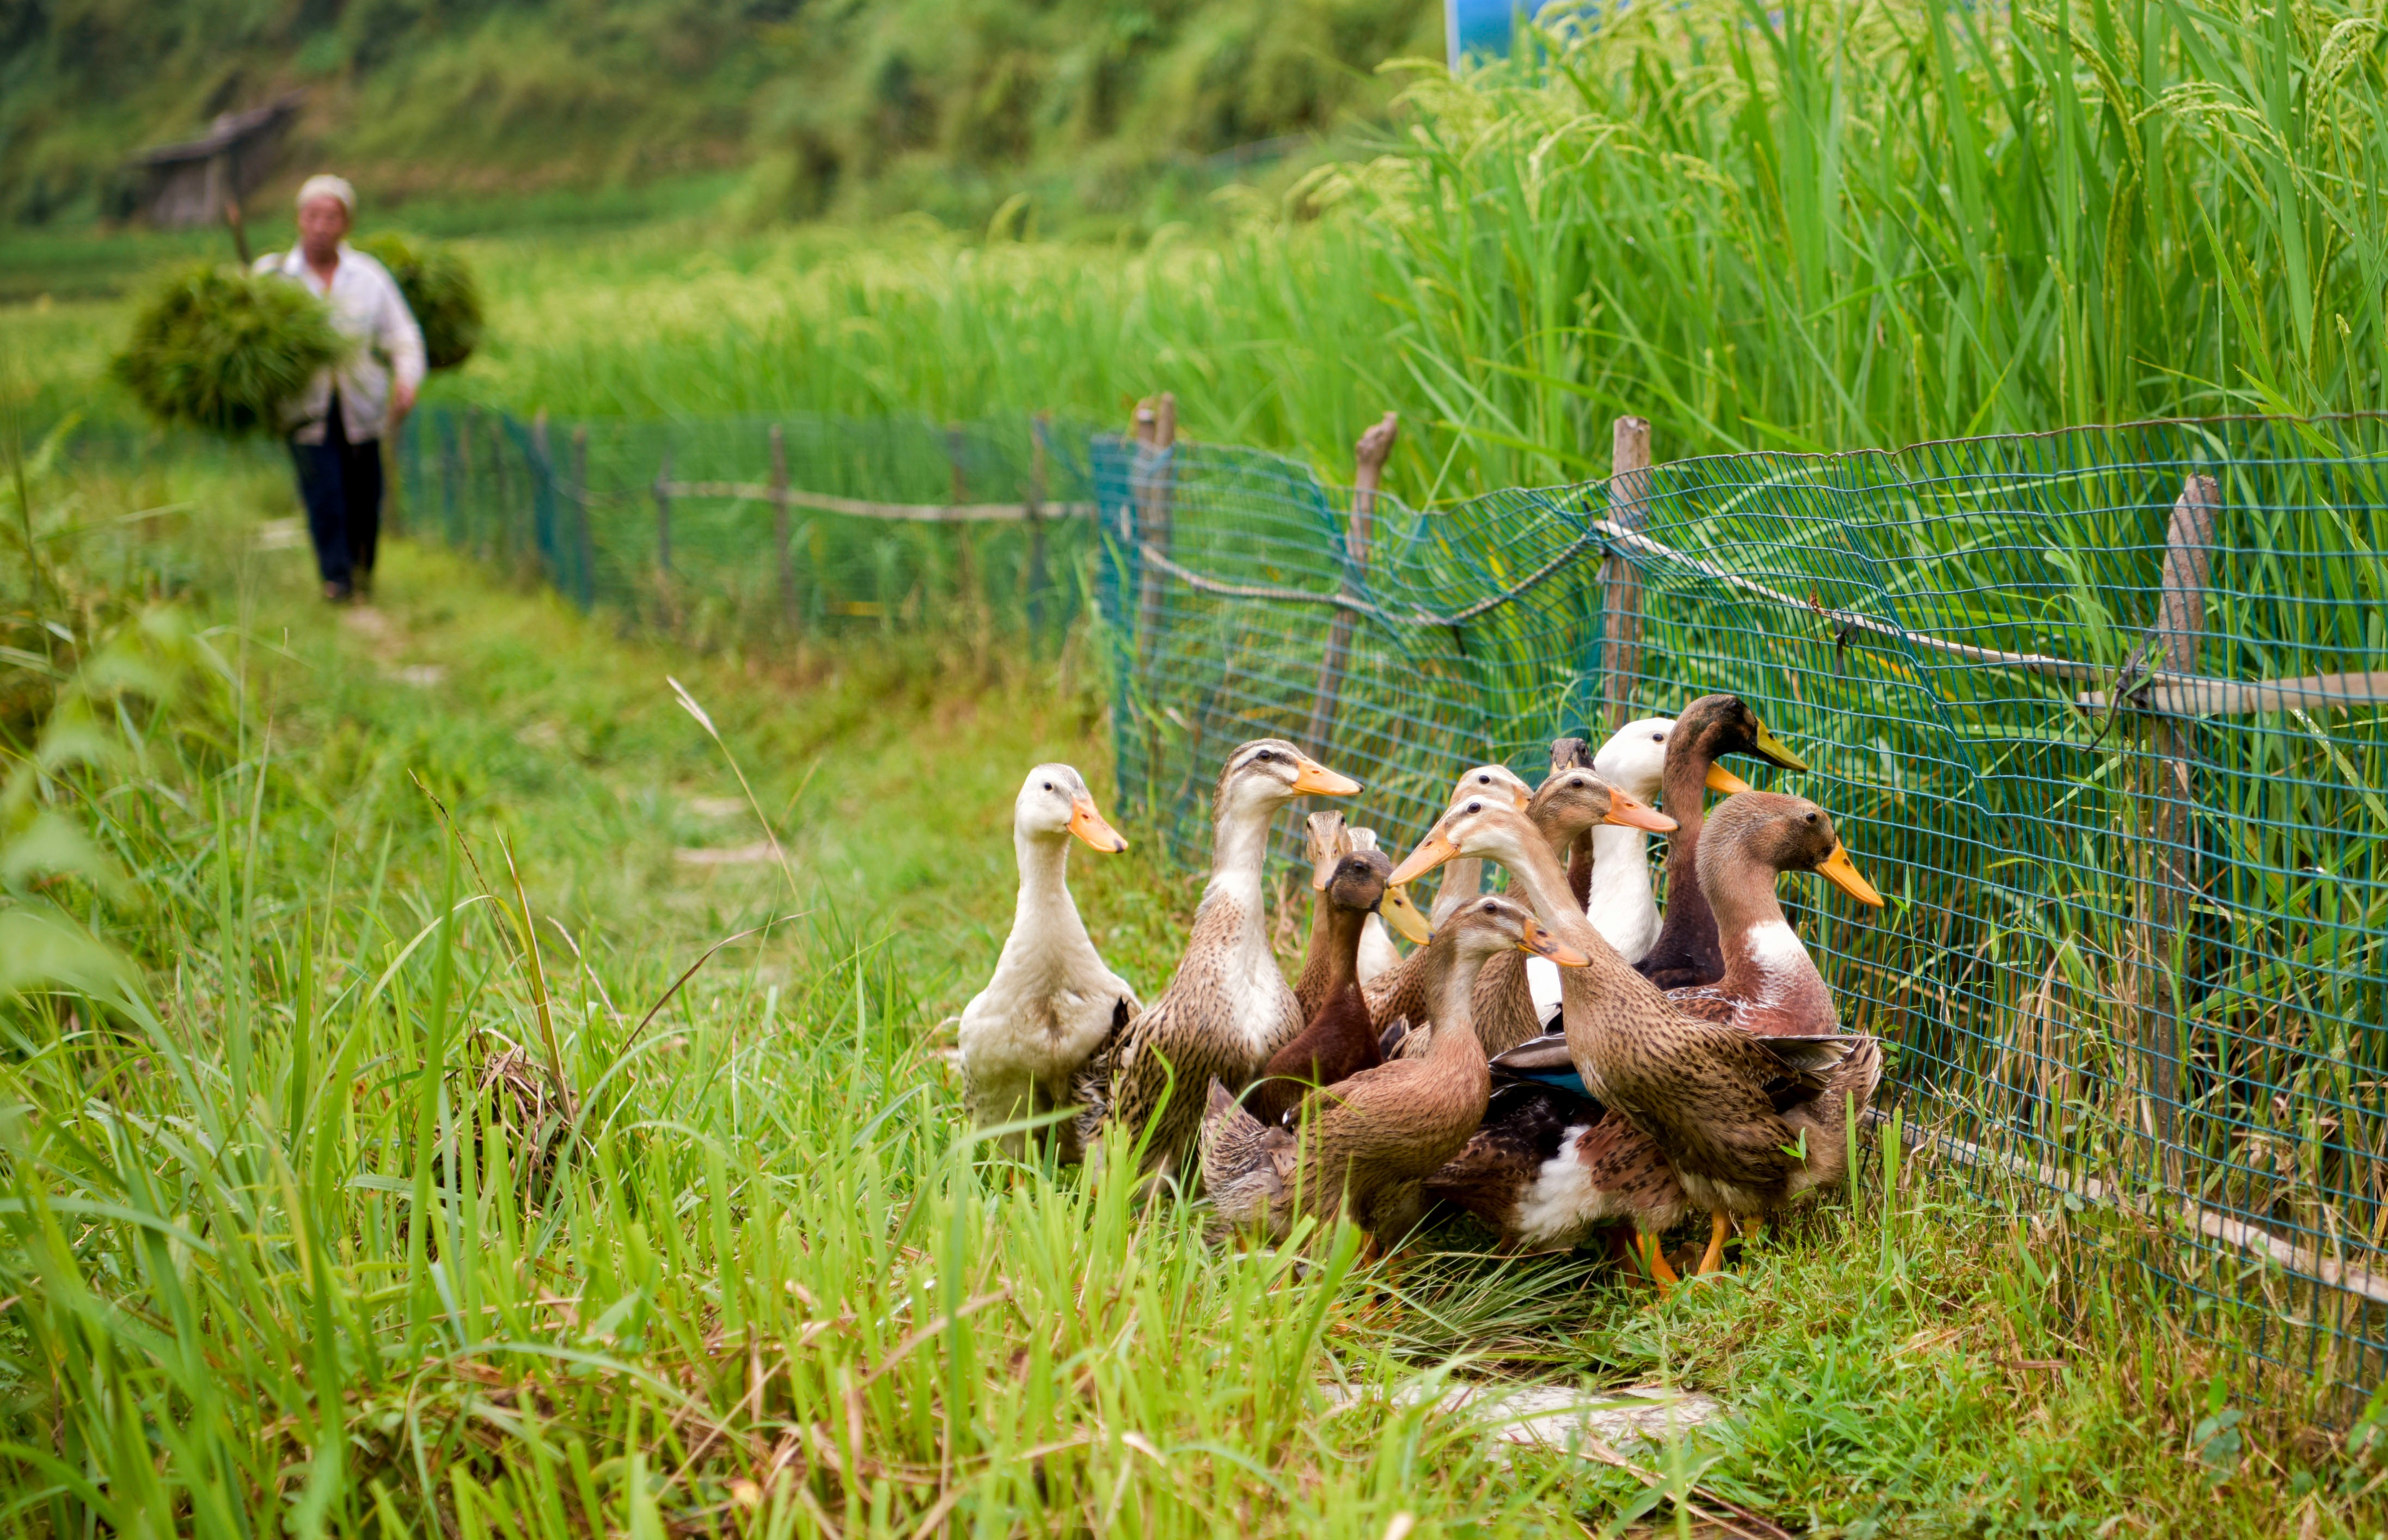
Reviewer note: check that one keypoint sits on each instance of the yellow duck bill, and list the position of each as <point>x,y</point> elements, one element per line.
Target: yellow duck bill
<point>1724,783</point>
<point>1404,917</point>
<point>1842,873</point>
<point>1088,824</point>
<point>1319,781</point>
<point>1775,752</point>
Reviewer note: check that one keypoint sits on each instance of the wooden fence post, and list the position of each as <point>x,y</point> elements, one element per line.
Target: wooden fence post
<point>469,538</point>
<point>584,543</point>
<point>1629,506</point>
<point>787,561</point>
<point>507,544</point>
<point>662,536</point>
<point>1151,479</point>
<point>965,542</point>
<point>1374,447</point>
<point>1031,576</point>
<point>542,495</point>
<point>2171,856</point>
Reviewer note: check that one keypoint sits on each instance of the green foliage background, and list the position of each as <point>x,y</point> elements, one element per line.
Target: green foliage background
<point>829,106</point>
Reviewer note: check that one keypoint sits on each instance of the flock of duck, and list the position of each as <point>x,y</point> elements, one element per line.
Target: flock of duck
<point>1559,1060</point>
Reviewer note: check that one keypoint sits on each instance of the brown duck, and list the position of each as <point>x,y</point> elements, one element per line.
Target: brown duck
<point>1747,1122</point>
<point>1339,1039</point>
<point>1365,1144</point>
<point>1686,952</point>
<point>1771,985</point>
<point>1227,1008</point>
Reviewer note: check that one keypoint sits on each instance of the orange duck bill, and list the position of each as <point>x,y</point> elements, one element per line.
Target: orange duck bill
<point>1624,810</point>
<point>1317,779</point>
<point>1088,824</point>
<point>1433,851</point>
<point>1538,941</point>
<point>1842,873</point>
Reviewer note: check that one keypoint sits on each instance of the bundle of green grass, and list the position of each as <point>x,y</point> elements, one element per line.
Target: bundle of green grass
<point>222,350</point>
<point>439,289</point>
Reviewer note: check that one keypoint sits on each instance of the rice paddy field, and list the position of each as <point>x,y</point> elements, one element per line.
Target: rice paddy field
<point>479,1069</point>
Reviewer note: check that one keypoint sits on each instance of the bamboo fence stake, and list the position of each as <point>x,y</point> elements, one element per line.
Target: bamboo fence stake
<point>786,565</point>
<point>2171,856</point>
<point>1629,507</point>
<point>1151,480</point>
<point>1370,455</point>
<point>1031,576</point>
<point>584,542</point>
<point>662,536</point>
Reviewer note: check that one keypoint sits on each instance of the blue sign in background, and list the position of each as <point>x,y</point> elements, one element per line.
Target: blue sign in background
<point>1479,27</point>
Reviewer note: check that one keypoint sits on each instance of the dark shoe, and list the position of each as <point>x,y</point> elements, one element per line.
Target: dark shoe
<point>337,593</point>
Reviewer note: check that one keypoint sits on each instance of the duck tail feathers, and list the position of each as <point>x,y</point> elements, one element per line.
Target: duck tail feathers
<point>1238,1170</point>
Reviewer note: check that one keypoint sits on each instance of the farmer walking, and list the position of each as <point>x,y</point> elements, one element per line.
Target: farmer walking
<point>335,428</point>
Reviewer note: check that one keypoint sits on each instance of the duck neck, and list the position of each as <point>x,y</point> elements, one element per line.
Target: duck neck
<point>1333,965</point>
<point>1620,869</point>
<point>1239,845</point>
<point>1536,874</point>
<point>1685,790</point>
<point>1044,911</point>
<point>1764,962</point>
<point>1450,988</point>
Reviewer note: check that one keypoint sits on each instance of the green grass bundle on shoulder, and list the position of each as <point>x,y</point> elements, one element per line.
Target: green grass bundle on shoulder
<point>223,349</point>
<point>439,289</point>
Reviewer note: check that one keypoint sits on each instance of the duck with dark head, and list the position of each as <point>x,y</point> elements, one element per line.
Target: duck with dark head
<point>1687,952</point>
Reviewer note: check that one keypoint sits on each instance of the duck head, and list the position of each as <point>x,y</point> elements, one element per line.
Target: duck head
<point>1054,803</point>
<point>1267,773</point>
<point>1483,826</point>
<point>1720,725</point>
<point>1395,907</point>
<point>1634,760</point>
<point>1484,926</point>
<point>1493,780</point>
<point>1573,800</point>
<point>1787,834</point>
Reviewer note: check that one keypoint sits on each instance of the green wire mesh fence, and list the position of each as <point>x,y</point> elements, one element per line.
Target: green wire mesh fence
<point>2101,709</point>
<point>799,523</point>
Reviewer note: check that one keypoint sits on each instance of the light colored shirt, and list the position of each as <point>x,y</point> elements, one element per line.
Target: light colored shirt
<point>365,305</point>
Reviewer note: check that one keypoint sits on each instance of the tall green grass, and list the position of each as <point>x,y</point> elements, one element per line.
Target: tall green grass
<point>379,1191</point>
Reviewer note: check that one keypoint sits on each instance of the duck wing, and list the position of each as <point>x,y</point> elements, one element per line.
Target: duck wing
<point>1706,1003</point>
<point>1545,1060</point>
<point>1245,1163</point>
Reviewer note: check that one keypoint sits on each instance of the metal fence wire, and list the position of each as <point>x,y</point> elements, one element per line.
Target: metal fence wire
<point>805,523</point>
<point>2101,711</point>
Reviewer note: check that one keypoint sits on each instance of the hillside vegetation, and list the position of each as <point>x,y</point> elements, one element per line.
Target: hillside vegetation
<point>948,105</point>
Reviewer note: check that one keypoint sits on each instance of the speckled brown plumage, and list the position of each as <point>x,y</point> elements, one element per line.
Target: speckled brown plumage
<point>1227,1008</point>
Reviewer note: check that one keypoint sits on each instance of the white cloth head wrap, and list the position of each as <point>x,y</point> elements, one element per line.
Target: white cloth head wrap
<point>327,186</point>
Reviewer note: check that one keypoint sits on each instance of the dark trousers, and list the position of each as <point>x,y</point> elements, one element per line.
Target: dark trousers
<point>341,485</point>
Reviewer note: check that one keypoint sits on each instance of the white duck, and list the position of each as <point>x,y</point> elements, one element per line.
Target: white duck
<point>1051,1002</point>
<point>1620,902</point>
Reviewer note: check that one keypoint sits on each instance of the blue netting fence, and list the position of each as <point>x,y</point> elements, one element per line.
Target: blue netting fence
<point>2101,711</point>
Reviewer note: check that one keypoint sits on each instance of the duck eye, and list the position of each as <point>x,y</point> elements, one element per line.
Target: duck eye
<point>1476,807</point>
<point>1049,785</point>
<point>1811,818</point>
<point>1658,738</point>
